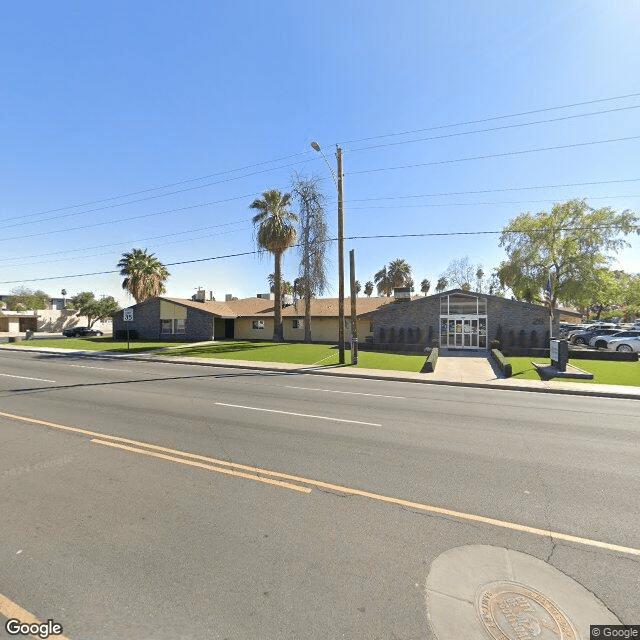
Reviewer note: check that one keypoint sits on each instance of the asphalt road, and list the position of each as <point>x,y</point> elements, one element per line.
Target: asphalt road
<point>114,539</point>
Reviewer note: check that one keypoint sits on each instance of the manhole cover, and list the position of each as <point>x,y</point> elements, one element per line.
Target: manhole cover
<point>512,611</point>
<point>480,592</point>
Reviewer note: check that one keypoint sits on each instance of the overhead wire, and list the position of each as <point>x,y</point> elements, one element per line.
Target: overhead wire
<point>495,155</point>
<point>493,118</point>
<point>359,237</point>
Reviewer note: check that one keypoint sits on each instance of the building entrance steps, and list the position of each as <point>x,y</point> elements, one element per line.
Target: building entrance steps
<point>465,366</point>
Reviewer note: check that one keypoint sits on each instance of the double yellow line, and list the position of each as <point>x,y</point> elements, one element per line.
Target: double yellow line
<point>303,485</point>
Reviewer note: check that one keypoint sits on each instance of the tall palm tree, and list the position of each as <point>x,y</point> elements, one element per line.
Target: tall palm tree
<point>144,275</point>
<point>425,285</point>
<point>275,235</point>
<point>442,284</point>
<point>368,289</point>
<point>383,282</point>
<point>399,273</point>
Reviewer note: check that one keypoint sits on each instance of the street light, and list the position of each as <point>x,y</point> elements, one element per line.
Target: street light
<point>338,181</point>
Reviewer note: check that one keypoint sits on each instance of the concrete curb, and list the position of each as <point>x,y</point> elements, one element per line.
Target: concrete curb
<point>598,393</point>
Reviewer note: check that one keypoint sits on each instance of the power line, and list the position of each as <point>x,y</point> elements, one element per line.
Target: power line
<point>128,218</point>
<point>122,204</point>
<point>498,190</point>
<point>282,158</point>
<point>492,118</point>
<point>117,244</point>
<point>370,237</point>
<point>500,128</point>
<point>167,186</point>
<point>496,155</point>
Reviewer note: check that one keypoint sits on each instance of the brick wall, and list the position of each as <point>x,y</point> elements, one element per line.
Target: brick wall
<point>410,325</point>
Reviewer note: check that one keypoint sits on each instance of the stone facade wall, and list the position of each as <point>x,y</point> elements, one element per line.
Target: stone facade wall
<point>411,325</point>
<point>146,322</point>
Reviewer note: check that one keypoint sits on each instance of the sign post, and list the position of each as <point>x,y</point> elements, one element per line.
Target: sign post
<point>559,354</point>
<point>127,316</point>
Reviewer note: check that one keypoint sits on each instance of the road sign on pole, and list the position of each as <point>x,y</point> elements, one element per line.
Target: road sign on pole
<point>127,315</point>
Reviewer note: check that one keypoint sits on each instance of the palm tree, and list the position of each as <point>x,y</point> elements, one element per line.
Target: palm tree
<point>399,273</point>
<point>275,235</point>
<point>442,284</point>
<point>358,287</point>
<point>425,285</point>
<point>383,282</point>
<point>144,275</point>
<point>368,289</point>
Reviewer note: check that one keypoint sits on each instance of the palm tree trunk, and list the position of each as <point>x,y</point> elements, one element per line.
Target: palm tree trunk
<point>278,333</point>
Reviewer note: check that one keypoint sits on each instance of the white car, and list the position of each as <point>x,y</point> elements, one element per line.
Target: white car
<point>627,345</point>
<point>599,341</point>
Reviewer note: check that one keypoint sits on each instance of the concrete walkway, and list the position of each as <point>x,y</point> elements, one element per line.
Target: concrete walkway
<point>465,366</point>
<point>452,368</point>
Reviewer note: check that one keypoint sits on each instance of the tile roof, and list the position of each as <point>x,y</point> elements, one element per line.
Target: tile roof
<point>259,307</point>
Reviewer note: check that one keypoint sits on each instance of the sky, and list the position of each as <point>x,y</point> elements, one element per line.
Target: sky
<point>154,125</point>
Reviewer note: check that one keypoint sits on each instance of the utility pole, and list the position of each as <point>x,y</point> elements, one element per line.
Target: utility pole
<point>340,260</point>
<point>354,326</point>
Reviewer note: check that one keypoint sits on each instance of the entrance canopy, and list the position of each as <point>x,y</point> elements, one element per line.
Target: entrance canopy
<point>463,321</point>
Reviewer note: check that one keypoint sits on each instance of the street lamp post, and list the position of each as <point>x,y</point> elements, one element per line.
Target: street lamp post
<point>338,182</point>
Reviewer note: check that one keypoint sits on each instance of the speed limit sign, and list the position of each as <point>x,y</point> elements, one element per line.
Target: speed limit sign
<point>128,315</point>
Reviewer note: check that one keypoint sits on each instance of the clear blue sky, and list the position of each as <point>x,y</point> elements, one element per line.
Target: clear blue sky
<point>100,100</point>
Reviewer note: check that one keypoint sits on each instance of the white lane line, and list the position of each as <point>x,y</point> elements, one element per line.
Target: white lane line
<point>300,415</point>
<point>351,393</point>
<point>84,366</point>
<point>6,375</point>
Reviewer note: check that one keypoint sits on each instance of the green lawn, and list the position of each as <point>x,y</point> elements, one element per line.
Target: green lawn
<point>604,371</point>
<point>94,344</point>
<point>320,354</point>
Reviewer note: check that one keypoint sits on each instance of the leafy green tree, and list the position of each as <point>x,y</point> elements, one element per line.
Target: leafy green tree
<point>368,288</point>
<point>144,274</point>
<point>313,240</point>
<point>564,248</point>
<point>275,234</point>
<point>85,304</point>
<point>425,285</point>
<point>22,298</point>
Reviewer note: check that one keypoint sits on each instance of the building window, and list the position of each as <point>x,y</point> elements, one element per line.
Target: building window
<point>371,327</point>
<point>258,324</point>
<point>296,323</point>
<point>173,326</point>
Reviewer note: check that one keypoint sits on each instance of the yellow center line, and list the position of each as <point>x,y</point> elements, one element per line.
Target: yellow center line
<point>208,467</point>
<point>547,533</point>
<point>11,610</point>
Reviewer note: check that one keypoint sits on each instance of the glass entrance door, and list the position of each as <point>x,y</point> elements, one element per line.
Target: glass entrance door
<point>464,333</point>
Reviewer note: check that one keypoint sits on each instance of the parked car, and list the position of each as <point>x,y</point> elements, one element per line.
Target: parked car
<point>583,336</point>
<point>600,340</point>
<point>624,344</point>
<point>80,332</point>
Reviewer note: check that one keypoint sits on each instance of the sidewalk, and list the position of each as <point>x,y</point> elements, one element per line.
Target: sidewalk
<point>451,370</point>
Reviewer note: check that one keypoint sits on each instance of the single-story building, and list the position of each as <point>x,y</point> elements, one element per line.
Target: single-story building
<point>166,318</point>
<point>460,320</point>
<point>18,321</point>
